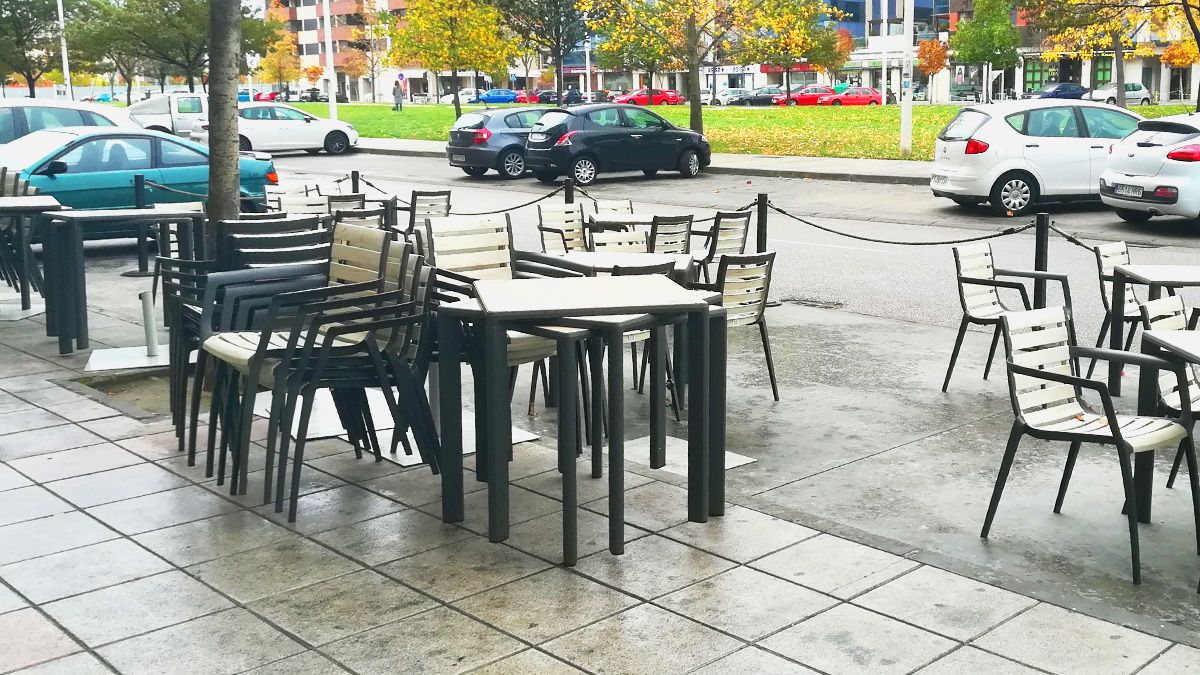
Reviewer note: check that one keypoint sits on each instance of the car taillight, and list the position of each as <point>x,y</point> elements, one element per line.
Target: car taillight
<point>272,177</point>
<point>976,147</point>
<point>1166,192</point>
<point>565,139</point>
<point>481,136</point>
<point>1188,153</point>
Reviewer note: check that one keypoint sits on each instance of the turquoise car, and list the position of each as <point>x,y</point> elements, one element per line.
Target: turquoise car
<point>93,167</point>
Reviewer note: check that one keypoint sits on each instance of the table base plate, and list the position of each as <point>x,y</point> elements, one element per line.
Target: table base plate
<point>13,311</point>
<point>126,358</point>
<point>638,451</point>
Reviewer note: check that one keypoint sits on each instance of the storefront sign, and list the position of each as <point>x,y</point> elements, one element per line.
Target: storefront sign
<point>727,70</point>
<point>796,68</point>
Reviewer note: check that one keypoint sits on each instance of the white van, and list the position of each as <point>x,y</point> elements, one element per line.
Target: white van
<point>175,113</point>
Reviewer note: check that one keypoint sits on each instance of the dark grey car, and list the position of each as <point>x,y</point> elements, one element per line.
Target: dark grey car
<point>492,139</point>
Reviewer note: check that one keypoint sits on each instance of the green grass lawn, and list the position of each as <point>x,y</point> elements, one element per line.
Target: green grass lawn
<point>872,132</point>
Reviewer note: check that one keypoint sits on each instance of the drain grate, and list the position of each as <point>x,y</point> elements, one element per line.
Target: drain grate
<point>813,302</point>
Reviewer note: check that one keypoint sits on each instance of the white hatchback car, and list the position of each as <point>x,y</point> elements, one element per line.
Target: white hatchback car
<point>1015,154</point>
<point>1136,93</point>
<point>722,97</point>
<point>1154,172</point>
<point>274,126</point>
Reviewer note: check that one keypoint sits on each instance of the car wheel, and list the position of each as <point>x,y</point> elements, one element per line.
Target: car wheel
<point>545,176</point>
<point>1014,193</point>
<point>872,102</point>
<point>836,103</point>
<point>336,143</point>
<point>1111,101</point>
<point>243,144</point>
<point>584,170</point>
<point>475,170</point>
<point>1130,216</point>
<point>791,101</point>
<point>511,164</point>
<point>650,172</point>
<point>689,164</point>
<point>716,102</point>
<point>1145,101</point>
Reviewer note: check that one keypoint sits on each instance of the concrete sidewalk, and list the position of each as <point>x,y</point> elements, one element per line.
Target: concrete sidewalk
<point>889,171</point>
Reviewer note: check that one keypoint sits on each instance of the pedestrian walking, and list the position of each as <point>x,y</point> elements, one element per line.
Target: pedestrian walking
<point>397,96</point>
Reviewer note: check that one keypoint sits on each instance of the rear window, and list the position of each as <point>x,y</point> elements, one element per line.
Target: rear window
<point>553,119</point>
<point>50,118</point>
<point>964,124</point>
<point>8,125</point>
<point>470,121</point>
<point>523,120</point>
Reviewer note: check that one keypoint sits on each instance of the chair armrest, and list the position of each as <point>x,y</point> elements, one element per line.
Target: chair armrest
<point>527,269</point>
<point>1000,283</point>
<point>1045,276</point>
<point>307,302</point>
<point>1195,318</point>
<point>552,261</point>
<point>1146,361</point>
<point>1101,388</point>
<point>561,235</point>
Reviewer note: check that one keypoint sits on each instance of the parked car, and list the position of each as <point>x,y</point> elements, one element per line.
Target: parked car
<point>93,168</point>
<point>852,96</point>
<point>498,96</point>
<point>1136,93</point>
<point>524,96</point>
<point>103,97</point>
<point>583,141</point>
<point>546,96</point>
<point>274,126</point>
<point>1058,90</point>
<point>1152,172</point>
<point>464,96</point>
<point>1016,154</point>
<point>171,113</point>
<point>760,96</point>
<point>21,116</point>
<point>493,139</point>
<point>674,97</point>
<point>725,95</point>
<point>806,96</point>
<point>596,96</point>
<point>314,95</point>
<point>644,97</point>
<point>267,96</point>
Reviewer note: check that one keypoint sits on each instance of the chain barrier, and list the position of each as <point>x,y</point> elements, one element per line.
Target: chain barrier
<point>694,220</point>
<point>1069,237</point>
<point>512,208</point>
<point>966,240</point>
<point>194,195</point>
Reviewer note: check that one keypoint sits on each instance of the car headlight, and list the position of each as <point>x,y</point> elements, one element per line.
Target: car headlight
<point>703,138</point>
<point>351,126</point>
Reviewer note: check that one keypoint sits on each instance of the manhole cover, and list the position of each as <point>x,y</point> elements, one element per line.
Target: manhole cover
<point>812,302</point>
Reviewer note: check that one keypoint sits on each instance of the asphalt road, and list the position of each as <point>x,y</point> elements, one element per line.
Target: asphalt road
<point>908,283</point>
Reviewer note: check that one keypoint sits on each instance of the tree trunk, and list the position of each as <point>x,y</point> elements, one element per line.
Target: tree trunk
<point>787,82</point>
<point>128,92</point>
<point>225,52</point>
<point>32,82</point>
<point>191,79</point>
<point>558,77</point>
<point>1119,67</point>
<point>696,111</point>
<point>1191,21</point>
<point>457,86</point>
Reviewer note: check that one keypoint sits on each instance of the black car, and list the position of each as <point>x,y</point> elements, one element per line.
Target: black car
<point>585,140</point>
<point>569,97</point>
<point>1068,90</point>
<point>760,96</point>
<point>494,139</point>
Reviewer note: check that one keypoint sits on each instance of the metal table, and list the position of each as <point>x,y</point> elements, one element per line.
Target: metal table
<point>19,209</point>
<point>1175,345</point>
<point>523,304</point>
<point>66,281</point>
<point>1157,277</point>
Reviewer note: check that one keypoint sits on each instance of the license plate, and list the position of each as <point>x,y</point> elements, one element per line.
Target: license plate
<point>458,158</point>
<point>1127,190</point>
<point>941,180</point>
<point>537,138</point>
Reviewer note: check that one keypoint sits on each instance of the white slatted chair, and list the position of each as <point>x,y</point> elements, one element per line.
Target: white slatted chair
<point>1108,256</point>
<point>622,241</point>
<point>744,281</point>
<point>608,207</point>
<point>362,217</point>
<point>300,204</point>
<point>1169,313</point>
<point>1046,394</point>
<point>422,205</point>
<point>979,295</point>
<point>562,227</point>
<point>351,200</point>
<point>671,235</point>
<point>727,237</point>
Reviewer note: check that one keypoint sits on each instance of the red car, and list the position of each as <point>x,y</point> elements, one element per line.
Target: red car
<point>673,97</point>
<point>806,96</point>
<point>524,97</point>
<point>266,95</point>
<point>853,96</point>
<point>644,97</point>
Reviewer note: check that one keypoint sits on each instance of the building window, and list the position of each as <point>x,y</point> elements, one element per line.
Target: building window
<point>1102,70</point>
<point>1034,74</point>
<point>1181,83</point>
<point>310,24</point>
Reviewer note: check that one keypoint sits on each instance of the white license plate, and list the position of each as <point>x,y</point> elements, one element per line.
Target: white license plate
<point>1127,190</point>
<point>537,138</point>
<point>941,180</point>
<point>458,158</point>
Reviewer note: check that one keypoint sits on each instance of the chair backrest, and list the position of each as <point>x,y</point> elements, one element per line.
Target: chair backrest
<point>744,282</point>
<point>1041,339</point>
<point>364,217</point>
<point>728,234</point>
<point>294,203</point>
<point>177,239</point>
<point>265,215</point>
<point>665,269</point>
<point>353,200</point>
<point>426,204</point>
<point>183,283</point>
<point>975,261</point>
<point>223,230</point>
<point>1168,313</point>
<point>289,248</point>
<point>671,234</point>
<point>563,228</point>
<point>1108,256</point>
<point>626,241</point>
<point>479,247</point>
<point>606,207</point>
<point>360,254</point>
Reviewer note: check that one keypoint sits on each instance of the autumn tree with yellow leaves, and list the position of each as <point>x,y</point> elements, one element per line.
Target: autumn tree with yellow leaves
<point>281,63</point>
<point>782,33</point>
<point>454,35</point>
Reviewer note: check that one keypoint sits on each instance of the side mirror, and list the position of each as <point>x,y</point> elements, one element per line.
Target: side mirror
<point>53,168</point>
<point>308,120</point>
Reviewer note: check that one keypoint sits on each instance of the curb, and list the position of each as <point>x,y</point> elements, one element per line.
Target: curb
<point>724,170</point>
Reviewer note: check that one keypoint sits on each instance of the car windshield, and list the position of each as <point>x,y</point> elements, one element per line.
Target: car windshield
<point>553,119</point>
<point>963,125</point>
<point>27,150</point>
<point>470,121</point>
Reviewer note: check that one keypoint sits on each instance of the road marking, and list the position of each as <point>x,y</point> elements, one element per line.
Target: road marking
<point>848,248</point>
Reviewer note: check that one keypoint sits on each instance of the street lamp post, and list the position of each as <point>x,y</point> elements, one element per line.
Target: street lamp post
<point>330,74</point>
<point>587,66</point>
<point>62,43</point>
<point>906,76</point>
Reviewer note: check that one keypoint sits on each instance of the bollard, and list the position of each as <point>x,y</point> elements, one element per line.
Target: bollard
<point>569,192</point>
<point>139,191</point>
<point>355,177</point>
<point>761,236</point>
<point>149,323</point>
<point>1041,257</point>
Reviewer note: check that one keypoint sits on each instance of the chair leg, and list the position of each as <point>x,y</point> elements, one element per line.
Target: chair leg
<point>273,430</point>
<point>1104,326</point>
<point>633,365</point>
<point>1066,478</point>
<point>1175,466</point>
<point>1014,439</point>
<point>194,403</point>
<point>962,332</point>
<point>584,389</point>
<point>987,369</point>
<point>1133,327</point>
<point>672,388</point>
<point>642,374</point>
<point>533,386</point>
<point>1188,447</point>
<point>298,454</point>
<point>766,341</point>
<point>1131,511</point>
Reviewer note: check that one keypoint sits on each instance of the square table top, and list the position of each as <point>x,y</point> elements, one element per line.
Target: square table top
<point>1163,275</point>
<point>585,296</point>
<point>28,203</point>
<point>95,215</point>
<point>1183,343</point>
<point>622,218</point>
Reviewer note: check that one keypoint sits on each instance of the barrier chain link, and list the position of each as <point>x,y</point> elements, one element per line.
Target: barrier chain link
<point>947,242</point>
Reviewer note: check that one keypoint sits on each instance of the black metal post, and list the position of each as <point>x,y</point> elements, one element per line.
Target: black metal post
<point>139,191</point>
<point>761,237</point>
<point>569,192</point>
<point>1041,257</point>
<point>355,178</point>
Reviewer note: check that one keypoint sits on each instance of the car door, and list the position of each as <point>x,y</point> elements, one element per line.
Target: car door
<point>182,168</point>
<point>1058,151</point>
<point>651,144</point>
<point>297,129</point>
<point>610,139</point>
<point>1104,127</point>
<point>257,124</point>
<point>185,110</point>
<point>100,172</point>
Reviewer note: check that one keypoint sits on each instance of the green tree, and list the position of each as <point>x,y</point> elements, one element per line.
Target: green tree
<point>781,33</point>
<point>94,41</point>
<point>281,62</point>
<point>371,39</point>
<point>988,37</point>
<point>650,56</point>
<point>29,44</point>
<point>556,26</point>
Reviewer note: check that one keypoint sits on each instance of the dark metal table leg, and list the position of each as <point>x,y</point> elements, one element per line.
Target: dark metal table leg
<point>567,444</point>
<point>595,350</point>
<point>1117,303</point>
<point>498,426</point>
<point>450,398</point>
<point>1143,462</point>
<point>698,468</point>
<point>80,291</point>
<point>658,399</point>
<point>616,443</point>
<point>50,279</point>
<point>22,261</point>
<point>716,412</point>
